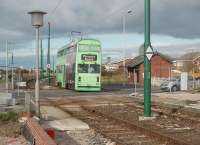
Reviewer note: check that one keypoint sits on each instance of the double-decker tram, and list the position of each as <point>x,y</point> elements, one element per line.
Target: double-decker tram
<point>78,65</point>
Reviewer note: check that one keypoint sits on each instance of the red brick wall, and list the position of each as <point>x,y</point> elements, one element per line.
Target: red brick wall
<point>160,68</point>
<point>38,134</point>
<point>141,71</point>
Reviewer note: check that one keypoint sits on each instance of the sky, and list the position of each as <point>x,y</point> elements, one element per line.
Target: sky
<point>174,26</point>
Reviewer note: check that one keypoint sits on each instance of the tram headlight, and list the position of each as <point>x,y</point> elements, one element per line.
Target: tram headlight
<point>79,79</point>
<point>97,79</point>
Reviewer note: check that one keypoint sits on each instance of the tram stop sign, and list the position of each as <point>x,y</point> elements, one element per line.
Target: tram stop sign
<point>149,52</point>
<point>48,65</point>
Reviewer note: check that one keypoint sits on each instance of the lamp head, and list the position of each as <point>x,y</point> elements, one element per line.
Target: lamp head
<point>37,18</point>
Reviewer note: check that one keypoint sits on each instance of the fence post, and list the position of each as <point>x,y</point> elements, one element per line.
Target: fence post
<point>27,101</point>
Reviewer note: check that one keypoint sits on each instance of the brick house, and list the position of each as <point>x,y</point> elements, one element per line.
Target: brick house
<point>160,69</point>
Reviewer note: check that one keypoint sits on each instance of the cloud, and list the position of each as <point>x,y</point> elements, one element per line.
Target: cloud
<point>179,18</point>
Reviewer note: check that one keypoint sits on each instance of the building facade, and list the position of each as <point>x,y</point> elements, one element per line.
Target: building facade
<point>161,66</point>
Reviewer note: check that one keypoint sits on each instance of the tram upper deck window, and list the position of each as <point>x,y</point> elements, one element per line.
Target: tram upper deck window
<point>91,48</point>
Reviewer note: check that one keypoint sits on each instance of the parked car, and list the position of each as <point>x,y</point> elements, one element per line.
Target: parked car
<point>171,85</point>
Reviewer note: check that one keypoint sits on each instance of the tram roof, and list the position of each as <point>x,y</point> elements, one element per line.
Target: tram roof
<point>83,41</point>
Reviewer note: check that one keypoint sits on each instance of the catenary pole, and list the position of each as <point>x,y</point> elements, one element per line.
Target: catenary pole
<point>6,66</point>
<point>12,62</point>
<point>147,64</point>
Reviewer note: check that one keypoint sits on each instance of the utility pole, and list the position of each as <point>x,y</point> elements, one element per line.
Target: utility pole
<point>148,52</point>
<point>6,66</point>
<point>48,53</point>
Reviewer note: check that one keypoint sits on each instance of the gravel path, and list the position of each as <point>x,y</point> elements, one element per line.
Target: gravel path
<point>87,137</point>
<point>84,137</point>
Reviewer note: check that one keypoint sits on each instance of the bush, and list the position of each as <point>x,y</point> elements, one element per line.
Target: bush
<point>9,116</point>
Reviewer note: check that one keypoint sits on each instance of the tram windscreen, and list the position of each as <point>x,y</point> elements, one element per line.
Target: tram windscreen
<point>83,68</point>
<point>88,68</point>
<point>94,68</point>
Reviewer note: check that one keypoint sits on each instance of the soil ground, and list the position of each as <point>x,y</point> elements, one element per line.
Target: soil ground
<point>10,133</point>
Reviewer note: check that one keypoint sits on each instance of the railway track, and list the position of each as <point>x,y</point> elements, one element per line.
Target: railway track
<point>178,129</point>
<point>117,131</point>
<point>124,132</point>
<point>119,122</point>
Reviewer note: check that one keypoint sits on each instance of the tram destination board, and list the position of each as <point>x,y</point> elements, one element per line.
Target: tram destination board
<point>88,57</point>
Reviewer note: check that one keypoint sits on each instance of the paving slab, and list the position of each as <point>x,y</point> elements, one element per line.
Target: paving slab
<point>53,113</point>
<point>68,124</point>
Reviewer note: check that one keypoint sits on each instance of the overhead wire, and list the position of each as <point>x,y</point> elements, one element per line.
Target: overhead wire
<point>55,8</point>
<point>114,12</point>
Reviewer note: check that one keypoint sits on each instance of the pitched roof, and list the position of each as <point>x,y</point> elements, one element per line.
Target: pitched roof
<point>136,61</point>
<point>140,59</point>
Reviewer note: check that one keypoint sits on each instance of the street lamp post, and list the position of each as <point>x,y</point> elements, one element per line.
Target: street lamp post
<point>124,49</point>
<point>37,22</point>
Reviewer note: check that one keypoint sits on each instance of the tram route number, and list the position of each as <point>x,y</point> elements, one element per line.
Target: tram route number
<point>88,57</point>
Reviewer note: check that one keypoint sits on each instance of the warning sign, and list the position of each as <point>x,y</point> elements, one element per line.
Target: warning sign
<point>48,65</point>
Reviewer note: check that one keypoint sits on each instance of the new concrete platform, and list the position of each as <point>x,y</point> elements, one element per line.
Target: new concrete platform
<point>53,113</point>
<point>61,120</point>
<point>68,124</point>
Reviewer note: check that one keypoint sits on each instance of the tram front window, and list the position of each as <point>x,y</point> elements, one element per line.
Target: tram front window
<point>88,68</point>
<point>83,68</point>
<point>94,68</point>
